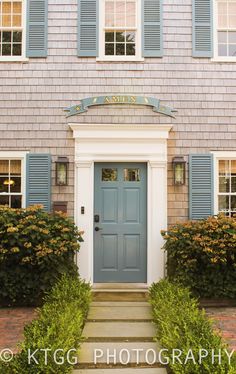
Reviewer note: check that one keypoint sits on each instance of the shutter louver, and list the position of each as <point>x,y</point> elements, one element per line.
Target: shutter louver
<point>37,25</point>
<point>38,177</point>
<point>87,28</point>
<point>152,28</point>
<point>202,28</point>
<point>201,190</point>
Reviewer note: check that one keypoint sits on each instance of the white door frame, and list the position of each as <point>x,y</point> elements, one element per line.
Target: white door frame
<point>122,143</point>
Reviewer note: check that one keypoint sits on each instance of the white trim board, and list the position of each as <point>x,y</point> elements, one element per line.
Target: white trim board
<point>122,143</point>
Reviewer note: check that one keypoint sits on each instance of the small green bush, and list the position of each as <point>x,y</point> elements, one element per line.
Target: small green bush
<point>59,326</point>
<point>202,256</point>
<point>181,325</point>
<point>36,248</point>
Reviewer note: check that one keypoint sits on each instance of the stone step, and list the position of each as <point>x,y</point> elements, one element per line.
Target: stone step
<point>113,330</point>
<point>120,313</point>
<point>133,370</point>
<point>118,353</point>
<point>119,286</point>
<point>118,290</point>
<point>119,303</point>
<point>120,296</point>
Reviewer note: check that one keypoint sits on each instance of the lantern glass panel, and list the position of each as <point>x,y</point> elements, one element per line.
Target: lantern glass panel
<point>179,174</point>
<point>62,174</point>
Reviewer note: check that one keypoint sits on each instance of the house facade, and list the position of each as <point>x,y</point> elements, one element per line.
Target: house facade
<point>122,113</point>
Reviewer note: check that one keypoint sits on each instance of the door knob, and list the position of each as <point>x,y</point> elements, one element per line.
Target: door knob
<point>97,228</point>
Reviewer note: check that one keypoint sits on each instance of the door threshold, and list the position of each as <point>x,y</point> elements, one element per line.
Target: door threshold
<point>120,286</point>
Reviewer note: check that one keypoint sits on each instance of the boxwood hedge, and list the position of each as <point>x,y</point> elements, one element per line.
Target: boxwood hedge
<point>183,328</point>
<point>57,329</point>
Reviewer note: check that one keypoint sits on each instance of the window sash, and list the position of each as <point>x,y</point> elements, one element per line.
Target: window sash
<point>104,29</point>
<point>223,29</point>
<point>10,175</point>
<point>228,211</point>
<point>116,13</point>
<point>21,29</point>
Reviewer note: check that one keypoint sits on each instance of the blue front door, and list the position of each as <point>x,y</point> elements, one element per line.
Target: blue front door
<point>120,222</point>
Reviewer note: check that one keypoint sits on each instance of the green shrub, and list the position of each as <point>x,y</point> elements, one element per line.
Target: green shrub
<point>181,325</point>
<point>58,326</point>
<point>202,255</point>
<point>36,248</point>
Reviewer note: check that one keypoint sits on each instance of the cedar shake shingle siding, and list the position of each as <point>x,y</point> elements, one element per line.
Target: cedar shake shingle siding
<point>34,94</point>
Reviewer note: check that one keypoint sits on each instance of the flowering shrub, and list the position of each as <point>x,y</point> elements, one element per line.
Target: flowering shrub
<point>202,255</point>
<point>35,249</point>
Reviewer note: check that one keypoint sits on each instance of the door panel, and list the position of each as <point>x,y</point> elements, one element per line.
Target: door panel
<point>109,252</point>
<point>131,252</point>
<point>110,205</point>
<point>120,244</point>
<point>131,205</point>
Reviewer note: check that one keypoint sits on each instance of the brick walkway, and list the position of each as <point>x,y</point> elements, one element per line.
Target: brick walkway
<point>226,321</point>
<point>12,322</point>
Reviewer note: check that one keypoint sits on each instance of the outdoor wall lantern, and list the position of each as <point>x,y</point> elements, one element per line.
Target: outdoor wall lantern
<point>179,165</point>
<point>62,164</point>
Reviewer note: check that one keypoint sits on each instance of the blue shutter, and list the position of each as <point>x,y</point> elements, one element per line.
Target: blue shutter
<point>152,28</point>
<point>202,28</point>
<point>88,28</point>
<point>37,28</point>
<point>201,186</point>
<point>38,180</point>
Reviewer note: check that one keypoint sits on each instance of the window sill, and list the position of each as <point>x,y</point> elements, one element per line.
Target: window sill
<point>14,59</point>
<point>120,59</point>
<point>224,59</point>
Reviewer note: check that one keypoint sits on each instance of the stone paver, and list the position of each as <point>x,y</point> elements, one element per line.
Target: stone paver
<point>12,322</point>
<point>225,321</point>
<point>123,295</point>
<point>120,303</point>
<point>119,312</point>
<point>122,371</point>
<point>112,352</point>
<point>119,330</point>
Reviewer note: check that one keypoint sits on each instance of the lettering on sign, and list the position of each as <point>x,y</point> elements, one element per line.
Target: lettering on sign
<point>120,99</point>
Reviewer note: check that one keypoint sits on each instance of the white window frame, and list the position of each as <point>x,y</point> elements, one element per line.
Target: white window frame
<point>23,57</point>
<point>12,155</point>
<point>215,36</point>
<point>138,42</point>
<point>218,156</point>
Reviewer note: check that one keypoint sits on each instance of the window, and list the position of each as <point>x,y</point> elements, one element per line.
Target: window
<point>226,28</point>
<point>11,29</point>
<point>121,35</point>
<point>227,187</point>
<point>131,175</point>
<point>109,175</point>
<point>11,182</point>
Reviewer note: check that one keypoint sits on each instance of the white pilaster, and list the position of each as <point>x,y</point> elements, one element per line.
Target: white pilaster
<point>84,198</point>
<point>157,219</point>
